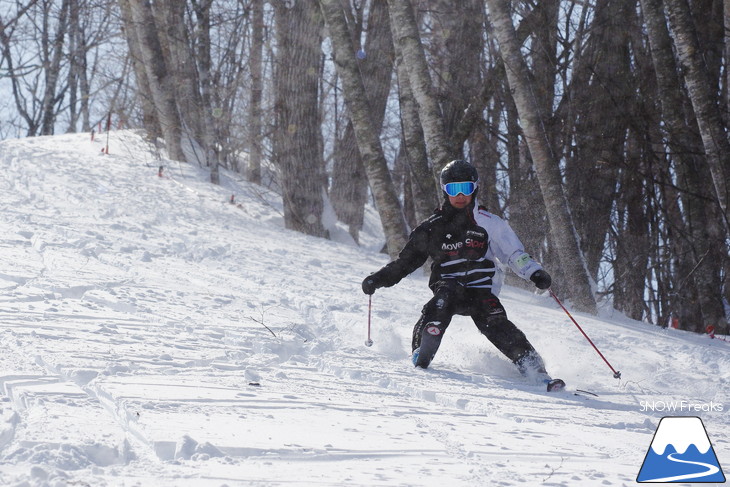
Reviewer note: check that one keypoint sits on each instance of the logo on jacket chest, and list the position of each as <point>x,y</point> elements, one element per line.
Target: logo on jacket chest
<point>473,239</point>
<point>452,246</point>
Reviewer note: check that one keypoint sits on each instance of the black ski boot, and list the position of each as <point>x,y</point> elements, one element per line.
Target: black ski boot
<point>555,385</point>
<point>430,341</point>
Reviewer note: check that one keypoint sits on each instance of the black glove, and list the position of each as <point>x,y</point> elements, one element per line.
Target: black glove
<point>369,285</point>
<point>541,279</point>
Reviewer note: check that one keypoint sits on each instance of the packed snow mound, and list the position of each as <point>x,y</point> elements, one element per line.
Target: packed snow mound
<point>157,331</point>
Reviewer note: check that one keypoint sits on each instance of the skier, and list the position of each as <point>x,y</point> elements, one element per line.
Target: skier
<point>464,240</point>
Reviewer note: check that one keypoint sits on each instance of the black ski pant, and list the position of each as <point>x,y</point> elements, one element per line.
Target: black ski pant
<point>490,318</point>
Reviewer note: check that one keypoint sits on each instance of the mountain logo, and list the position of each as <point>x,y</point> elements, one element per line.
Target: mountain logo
<point>681,452</point>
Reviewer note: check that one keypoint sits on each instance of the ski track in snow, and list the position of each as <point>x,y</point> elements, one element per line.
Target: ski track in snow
<point>155,334</point>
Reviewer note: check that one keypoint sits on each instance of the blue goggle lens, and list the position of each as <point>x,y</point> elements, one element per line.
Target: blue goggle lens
<point>464,187</point>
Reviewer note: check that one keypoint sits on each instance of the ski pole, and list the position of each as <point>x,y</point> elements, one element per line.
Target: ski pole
<point>616,374</point>
<point>369,342</point>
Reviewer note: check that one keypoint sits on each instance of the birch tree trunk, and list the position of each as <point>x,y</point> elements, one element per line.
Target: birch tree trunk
<point>424,185</point>
<point>696,300</point>
<point>78,32</point>
<point>381,184</point>
<point>173,34</point>
<point>52,55</point>
<point>144,93</point>
<point>705,104</point>
<point>158,76</point>
<point>75,64</point>
<point>546,167</point>
<point>349,189</point>
<point>407,38</point>
<point>202,59</point>
<point>186,74</point>
<point>485,156</point>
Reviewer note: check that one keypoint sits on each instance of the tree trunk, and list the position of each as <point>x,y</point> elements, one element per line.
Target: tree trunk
<point>406,37</point>
<point>717,160</point>
<point>424,186</point>
<point>546,167</point>
<point>604,97</point>
<point>381,184</point>
<point>160,82</point>
<point>726,23</point>
<point>349,188</point>
<point>150,120</point>
<point>458,38</point>
<point>705,104</point>
<point>255,149</point>
<point>632,242</point>
<point>693,280</point>
<point>52,55</point>
<point>210,140</point>
<point>297,149</point>
<point>190,79</point>
<point>75,67</point>
<point>83,78</point>
<point>485,156</point>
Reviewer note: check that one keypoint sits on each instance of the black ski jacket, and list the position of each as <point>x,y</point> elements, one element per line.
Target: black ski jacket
<point>464,245</point>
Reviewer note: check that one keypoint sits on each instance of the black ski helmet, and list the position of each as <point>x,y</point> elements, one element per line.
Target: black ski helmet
<point>457,171</point>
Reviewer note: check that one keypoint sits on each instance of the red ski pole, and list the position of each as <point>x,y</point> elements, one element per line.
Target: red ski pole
<point>369,342</point>
<point>616,374</point>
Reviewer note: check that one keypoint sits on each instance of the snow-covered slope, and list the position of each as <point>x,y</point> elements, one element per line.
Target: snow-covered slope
<point>153,333</point>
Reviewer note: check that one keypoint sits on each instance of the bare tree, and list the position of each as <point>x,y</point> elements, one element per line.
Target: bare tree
<point>349,187</point>
<point>78,81</point>
<point>603,98</point>
<point>144,93</point>
<point>408,42</point>
<point>52,50</point>
<point>376,167</point>
<point>601,121</point>
<point>700,239</point>
<point>705,104</point>
<point>143,32</point>
<point>548,172</point>
<point>15,72</point>
<point>35,62</point>
<point>423,185</point>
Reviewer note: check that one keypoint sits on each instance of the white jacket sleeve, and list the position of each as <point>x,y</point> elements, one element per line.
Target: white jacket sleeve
<point>505,245</point>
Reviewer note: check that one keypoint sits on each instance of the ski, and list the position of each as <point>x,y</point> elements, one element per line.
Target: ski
<point>581,392</point>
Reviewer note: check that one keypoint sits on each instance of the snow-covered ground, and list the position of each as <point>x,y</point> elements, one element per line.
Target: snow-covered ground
<point>154,334</point>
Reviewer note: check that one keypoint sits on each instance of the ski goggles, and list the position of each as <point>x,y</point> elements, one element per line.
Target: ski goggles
<point>466,188</point>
